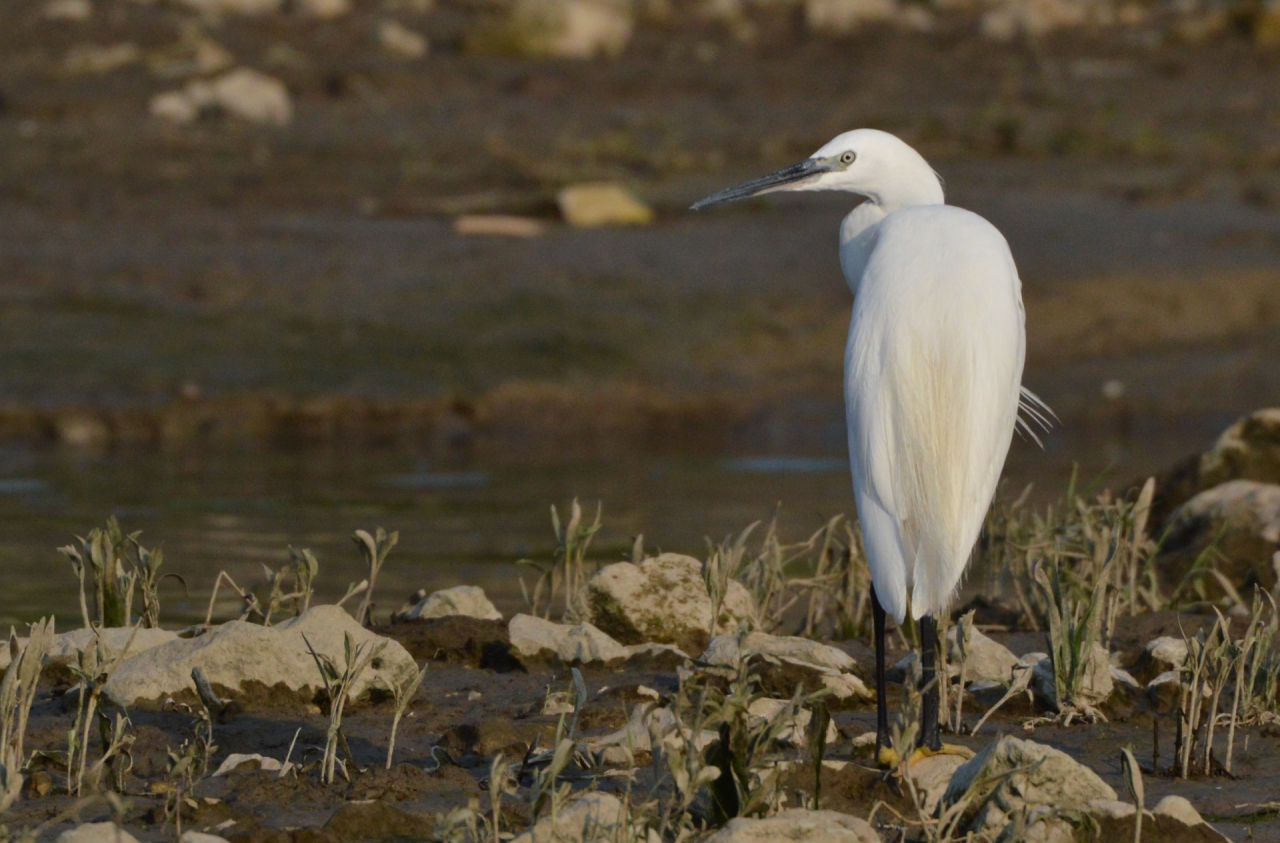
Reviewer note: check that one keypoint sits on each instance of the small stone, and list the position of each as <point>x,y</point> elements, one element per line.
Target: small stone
<point>254,96</point>
<point>765,710</point>
<point>498,225</point>
<point>932,775</point>
<point>797,826</point>
<point>91,59</point>
<point>593,818</point>
<point>558,702</point>
<point>579,29</point>
<point>841,17</point>
<point>238,759</point>
<point>602,204</point>
<point>465,600</point>
<point>97,833</point>
<point>190,836</point>
<point>399,40</point>
<point>72,10</point>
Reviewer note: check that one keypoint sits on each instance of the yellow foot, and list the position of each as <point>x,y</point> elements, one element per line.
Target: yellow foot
<point>888,759</point>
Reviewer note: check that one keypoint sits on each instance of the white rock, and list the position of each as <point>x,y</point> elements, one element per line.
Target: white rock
<point>583,643</point>
<point>1111,808</point>
<point>95,59</point>
<point>401,41</point>
<point>74,10</point>
<point>96,833</point>
<point>846,686</point>
<point>190,836</point>
<point>1052,779</point>
<point>839,17</point>
<point>593,818</point>
<point>558,702</point>
<point>597,204</point>
<point>765,710</point>
<point>932,775</point>
<point>578,29</point>
<point>662,600</point>
<point>468,600</point>
<point>1167,651</point>
<point>235,759</point>
<point>984,658</point>
<point>68,645</point>
<point>724,651</point>
<point>245,93</point>
<point>797,826</point>
<point>238,652</point>
<point>1179,808</point>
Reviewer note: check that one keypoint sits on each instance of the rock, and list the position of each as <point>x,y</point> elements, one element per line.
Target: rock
<point>236,759</point>
<point>579,29</point>
<point>765,709</point>
<point>1241,518</point>
<point>582,643</point>
<point>376,820</point>
<point>67,646</point>
<point>662,600</point>
<point>72,10</point>
<point>1033,18</point>
<point>242,92</point>
<point>92,59</point>
<point>192,55</point>
<point>593,818</point>
<point>190,836</point>
<point>987,692</point>
<point>932,776</point>
<point>239,658</point>
<point>1178,808</point>
<point>599,204</point>
<point>984,658</point>
<point>96,833</point>
<point>1112,809</point>
<point>1051,780</point>
<point>796,660</point>
<point>1096,688</point>
<point>1160,655</point>
<point>468,600</point>
<point>399,40</point>
<point>840,17</point>
<point>498,225</point>
<point>797,826</point>
<point>558,702</point>
<point>1247,450</point>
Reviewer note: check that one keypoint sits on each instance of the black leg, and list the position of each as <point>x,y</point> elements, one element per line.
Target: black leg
<point>882,693</point>
<point>929,737</point>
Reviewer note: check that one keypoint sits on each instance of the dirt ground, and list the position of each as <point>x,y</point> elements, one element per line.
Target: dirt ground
<point>474,711</point>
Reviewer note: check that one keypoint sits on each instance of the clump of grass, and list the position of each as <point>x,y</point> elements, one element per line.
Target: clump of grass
<point>1075,634</point>
<point>93,667</point>
<point>189,763</point>
<point>402,691</point>
<point>118,566</point>
<point>566,576</point>
<point>17,693</point>
<point>375,549</point>
<point>337,687</point>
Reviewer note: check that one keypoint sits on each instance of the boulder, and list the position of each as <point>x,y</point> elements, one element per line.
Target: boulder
<point>662,600</point>
<point>468,600</point>
<point>97,833</point>
<point>600,204</point>
<point>582,643</point>
<point>242,92</point>
<point>577,29</point>
<point>593,818</point>
<point>239,658</point>
<point>1247,450</point>
<point>1241,519</point>
<point>983,658</point>
<point>1047,778</point>
<point>68,645</point>
<point>797,826</point>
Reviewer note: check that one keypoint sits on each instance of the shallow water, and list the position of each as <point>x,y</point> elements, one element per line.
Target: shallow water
<point>458,523</point>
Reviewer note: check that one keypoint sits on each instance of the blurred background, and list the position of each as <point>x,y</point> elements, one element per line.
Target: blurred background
<point>272,270</point>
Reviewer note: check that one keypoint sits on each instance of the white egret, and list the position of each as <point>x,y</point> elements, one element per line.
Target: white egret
<point>933,371</point>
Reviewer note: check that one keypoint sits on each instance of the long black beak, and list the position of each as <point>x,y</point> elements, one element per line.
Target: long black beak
<point>803,171</point>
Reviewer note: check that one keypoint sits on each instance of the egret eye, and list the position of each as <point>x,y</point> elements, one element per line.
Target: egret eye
<point>846,158</point>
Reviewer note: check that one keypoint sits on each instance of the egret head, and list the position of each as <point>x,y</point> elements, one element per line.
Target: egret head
<point>866,162</point>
